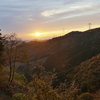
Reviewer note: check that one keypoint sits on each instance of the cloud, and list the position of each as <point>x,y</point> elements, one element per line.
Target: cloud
<point>23,16</point>
<point>83,6</point>
<point>80,11</point>
<point>31,19</point>
<point>52,12</point>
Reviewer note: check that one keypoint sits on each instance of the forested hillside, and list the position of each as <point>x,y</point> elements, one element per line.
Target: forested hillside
<point>63,48</point>
<point>65,52</point>
<point>62,68</point>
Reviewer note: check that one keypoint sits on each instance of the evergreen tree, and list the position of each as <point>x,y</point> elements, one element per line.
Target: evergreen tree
<point>1,51</point>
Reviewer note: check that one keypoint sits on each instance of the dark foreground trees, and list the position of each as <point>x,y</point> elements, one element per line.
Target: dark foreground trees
<point>1,49</point>
<point>40,88</point>
<point>11,53</point>
<point>1,60</point>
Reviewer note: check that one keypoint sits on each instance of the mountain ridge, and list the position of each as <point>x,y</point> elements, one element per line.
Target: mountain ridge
<point>64,53</point>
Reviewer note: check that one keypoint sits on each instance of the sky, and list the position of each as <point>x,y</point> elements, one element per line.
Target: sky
<point>44,19</point>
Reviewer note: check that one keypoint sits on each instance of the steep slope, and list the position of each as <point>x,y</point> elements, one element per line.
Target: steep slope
<point>87,74</point>
<point>65,52</point>
<point>85,46</point>
<point>60,45</point>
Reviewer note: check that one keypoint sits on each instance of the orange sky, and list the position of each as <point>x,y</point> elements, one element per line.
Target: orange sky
<point>50,34</point>
<point>52,18</point>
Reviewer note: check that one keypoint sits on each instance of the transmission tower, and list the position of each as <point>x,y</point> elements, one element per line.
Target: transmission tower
<point>0,30</point>
<point>89,26</point>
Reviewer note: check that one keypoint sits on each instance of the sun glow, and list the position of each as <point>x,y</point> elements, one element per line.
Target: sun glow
<point>38,34</point>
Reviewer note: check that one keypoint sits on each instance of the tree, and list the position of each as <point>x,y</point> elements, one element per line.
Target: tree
<point>1,50</point>
<point>12,46</point>
<point>67,91</point>
<point>1,62</point>
<point>19,96</point>
<point>86,96</point>
<point>41,87</point>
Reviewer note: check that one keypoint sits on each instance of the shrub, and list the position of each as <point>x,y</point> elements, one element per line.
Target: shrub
<point>19,96</point>
<point>86,96</point>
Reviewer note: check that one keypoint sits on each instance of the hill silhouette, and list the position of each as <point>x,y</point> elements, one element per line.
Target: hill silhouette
<point>64,53</point>
<point>75,58</point>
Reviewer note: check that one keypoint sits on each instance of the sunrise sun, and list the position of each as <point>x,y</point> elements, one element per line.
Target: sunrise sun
<point>37,34</point>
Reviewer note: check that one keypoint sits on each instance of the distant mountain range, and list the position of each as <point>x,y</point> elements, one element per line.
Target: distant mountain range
<point>69,55</point>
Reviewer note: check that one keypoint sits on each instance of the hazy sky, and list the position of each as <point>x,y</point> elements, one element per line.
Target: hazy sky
<point>50,17</point>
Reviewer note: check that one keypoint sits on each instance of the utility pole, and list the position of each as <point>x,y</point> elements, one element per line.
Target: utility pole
<point>0,30</point>
<point>89,26</point>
